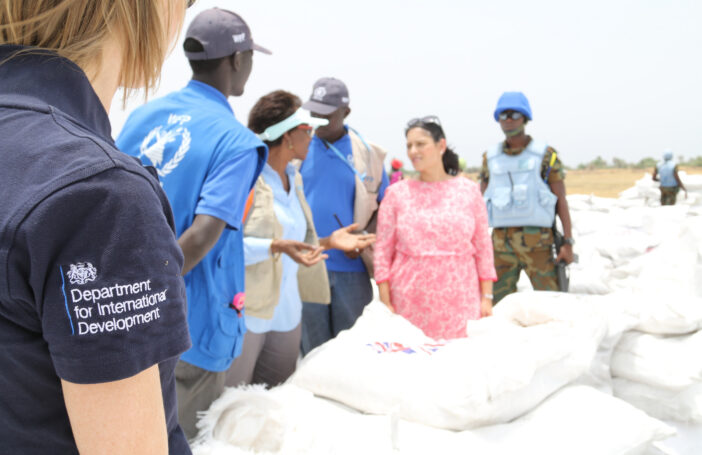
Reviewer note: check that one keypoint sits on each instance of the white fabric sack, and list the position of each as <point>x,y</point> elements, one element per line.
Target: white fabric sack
<point>687,441</point>
<point>683,405</point>
<point>672,362</point>
<point>491,377</point>
<point>597,311</point>
<point>663,313</point>
<point>576,420</point>
<point>300,423</point>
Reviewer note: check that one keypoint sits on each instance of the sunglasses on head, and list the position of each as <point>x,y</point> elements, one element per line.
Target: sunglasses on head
<point>419,121</point>
<point>189,3</point>
<point>514,115</point>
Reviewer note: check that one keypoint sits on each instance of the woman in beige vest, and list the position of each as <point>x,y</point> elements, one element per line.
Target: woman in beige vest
<point>279,235</point>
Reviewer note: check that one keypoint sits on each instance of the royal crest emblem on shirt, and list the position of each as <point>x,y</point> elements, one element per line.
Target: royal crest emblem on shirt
<point>155,143</point>
<point>81,273</point>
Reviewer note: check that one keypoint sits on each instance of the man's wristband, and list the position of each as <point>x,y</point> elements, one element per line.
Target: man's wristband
<point>569,240</point>
<point>488,296</point>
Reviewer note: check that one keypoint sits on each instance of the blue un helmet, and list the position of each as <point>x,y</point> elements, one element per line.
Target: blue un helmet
<point>515,101</point>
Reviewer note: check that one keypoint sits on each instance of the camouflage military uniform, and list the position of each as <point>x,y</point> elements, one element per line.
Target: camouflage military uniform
<point>527,248</point>
<point>669,194</point>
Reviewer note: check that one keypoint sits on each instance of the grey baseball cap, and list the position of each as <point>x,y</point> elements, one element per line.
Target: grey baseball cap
<point>221,33</point>
<point>328,95</point>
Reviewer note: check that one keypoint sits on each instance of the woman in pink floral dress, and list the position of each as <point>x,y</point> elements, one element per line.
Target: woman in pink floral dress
<point>433,255</point>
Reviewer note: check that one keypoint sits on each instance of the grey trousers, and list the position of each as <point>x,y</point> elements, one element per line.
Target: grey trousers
<point>196,390</point>
<point>266,358</point>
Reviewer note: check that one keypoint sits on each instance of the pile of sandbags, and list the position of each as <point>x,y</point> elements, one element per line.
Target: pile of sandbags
<point>290,420</point>
<point>384,365</point>
<point>661,372</point>
<point>550,373</point>
<point>633,243</point>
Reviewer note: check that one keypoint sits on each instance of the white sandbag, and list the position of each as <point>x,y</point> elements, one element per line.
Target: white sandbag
<point>683,405</point>
<point>664,313</point>
<point>687,441</point>
<point>598,311</point>
<point>672,362</point>
<point>380,366</point>
<point>315,426</point>
<point>577,420</point>
<point>303,424</point>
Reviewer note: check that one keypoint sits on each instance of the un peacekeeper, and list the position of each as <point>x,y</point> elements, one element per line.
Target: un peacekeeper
<point>667,173</point>
<point>522,183</point>
<point>207,162</point>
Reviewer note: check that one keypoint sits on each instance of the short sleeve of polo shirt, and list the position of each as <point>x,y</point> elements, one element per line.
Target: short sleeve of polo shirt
<point>105,281</point>
<point>227,187</point>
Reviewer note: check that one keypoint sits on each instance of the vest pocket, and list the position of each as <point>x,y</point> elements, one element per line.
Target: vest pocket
<point>501,198</point>
<point>520,194</point>
<point>547,199</point>
<point>227,338</point>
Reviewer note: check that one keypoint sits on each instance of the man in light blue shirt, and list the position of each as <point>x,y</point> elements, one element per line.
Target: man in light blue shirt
<point>208,163</point>
<point>330,180</point>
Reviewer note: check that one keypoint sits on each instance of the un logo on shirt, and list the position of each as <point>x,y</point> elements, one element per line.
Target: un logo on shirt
<point>154,144</point>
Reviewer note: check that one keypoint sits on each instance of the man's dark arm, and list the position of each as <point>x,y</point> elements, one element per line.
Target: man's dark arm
<point>199,239</point>
<point>677,179</point>
<point>483,186</point>
<point>558,188</point>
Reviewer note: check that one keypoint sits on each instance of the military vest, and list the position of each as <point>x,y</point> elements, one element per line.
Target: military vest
<point>516,194</point>
<point>666,173</point>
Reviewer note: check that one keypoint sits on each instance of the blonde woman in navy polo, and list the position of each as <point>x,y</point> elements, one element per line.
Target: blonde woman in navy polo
<point>92,305</point>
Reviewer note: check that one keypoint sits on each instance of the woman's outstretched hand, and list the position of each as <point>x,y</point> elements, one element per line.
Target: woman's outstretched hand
<point>300,252</point>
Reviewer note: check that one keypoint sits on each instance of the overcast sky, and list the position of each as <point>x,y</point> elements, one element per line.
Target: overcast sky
<point>616,78</point>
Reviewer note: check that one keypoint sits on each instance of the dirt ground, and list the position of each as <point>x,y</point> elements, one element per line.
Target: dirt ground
<point>605,182</point>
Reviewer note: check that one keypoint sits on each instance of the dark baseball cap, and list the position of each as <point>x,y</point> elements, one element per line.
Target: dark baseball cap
<point>221,33</point>
<point>328,95</point>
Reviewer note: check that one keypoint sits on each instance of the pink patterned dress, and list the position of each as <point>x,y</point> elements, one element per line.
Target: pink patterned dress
<point>433,247</point>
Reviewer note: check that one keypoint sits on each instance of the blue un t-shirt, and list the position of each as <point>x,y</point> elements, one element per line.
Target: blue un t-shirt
<point>208,163</point>
<point>90,285</point>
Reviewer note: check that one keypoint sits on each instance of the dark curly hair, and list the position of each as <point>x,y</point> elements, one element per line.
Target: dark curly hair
<point>271,109</point>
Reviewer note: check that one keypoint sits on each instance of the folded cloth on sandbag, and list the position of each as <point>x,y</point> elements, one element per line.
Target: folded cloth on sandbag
<point>384,365</point>
<point>681,405</point>
<point>673,362</point>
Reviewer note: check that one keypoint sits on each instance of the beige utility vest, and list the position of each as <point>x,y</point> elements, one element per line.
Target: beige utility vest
<point>368,161</point>
<point>263,278</point>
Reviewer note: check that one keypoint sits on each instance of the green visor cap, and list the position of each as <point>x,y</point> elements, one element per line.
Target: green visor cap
<point>300,117</point>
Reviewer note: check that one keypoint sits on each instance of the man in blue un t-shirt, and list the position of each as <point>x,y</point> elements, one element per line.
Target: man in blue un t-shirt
<point>208,163</point>
<point>344,180</point>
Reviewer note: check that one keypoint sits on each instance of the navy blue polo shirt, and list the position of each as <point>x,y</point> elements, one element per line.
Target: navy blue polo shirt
<point>90,285</point>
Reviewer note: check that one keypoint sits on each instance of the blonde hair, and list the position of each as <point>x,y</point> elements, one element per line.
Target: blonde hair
<point>77,30</point>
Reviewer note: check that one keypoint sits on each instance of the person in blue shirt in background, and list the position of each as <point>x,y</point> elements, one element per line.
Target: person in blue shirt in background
<point>344,180</point>
<point>666,172</point>
<point>208,163</point>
